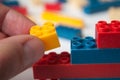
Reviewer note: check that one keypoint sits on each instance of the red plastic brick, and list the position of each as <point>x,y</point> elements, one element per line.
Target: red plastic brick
<point>60,67</point>
<point>53,6</point>
<point>108,34</point>
<point>53,58</point>
<point>21,10</point>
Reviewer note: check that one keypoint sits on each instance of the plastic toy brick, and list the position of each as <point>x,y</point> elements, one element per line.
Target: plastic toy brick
<point>114,13</point>
<point>22,10</point>
<point>63,19</point>
<point>53,6</point>
<point>10,2</point>
<point>57,66</point>
<point>67,32</point>
<point>62,1</point>
<point>108,34</point>
<point>84,51</point>
<point>47,34</point>
<point>100,5</point>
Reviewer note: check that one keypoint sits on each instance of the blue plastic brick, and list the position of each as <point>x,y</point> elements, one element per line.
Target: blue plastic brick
<point>95,79</point>
<point>10,2</point>
<point>84,51</point>
<point>62,1</point>
<point>99,5</point>
<point>67,32</point>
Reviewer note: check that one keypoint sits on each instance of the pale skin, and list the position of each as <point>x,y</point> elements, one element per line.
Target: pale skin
<point>18,50</point>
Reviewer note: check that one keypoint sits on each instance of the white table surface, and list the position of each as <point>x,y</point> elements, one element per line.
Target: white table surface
<point>90,21</point>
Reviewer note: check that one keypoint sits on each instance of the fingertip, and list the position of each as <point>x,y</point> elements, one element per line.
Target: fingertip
<point>19,52</point>
<point>15,23</point>
<point>34,50</point>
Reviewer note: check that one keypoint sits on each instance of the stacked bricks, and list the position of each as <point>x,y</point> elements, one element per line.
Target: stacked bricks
<point>104,49</point>
<point>88,61</point>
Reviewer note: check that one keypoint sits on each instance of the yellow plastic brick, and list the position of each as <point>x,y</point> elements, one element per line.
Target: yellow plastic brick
<point>62,19</point>
<point>47,34</point>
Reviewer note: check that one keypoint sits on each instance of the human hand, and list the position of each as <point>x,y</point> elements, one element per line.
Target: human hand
<point>17,51</point>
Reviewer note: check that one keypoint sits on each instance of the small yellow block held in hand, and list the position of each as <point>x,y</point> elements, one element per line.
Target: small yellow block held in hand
<point>47,34</point>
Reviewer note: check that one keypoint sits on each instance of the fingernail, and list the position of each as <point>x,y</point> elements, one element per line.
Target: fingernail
<point>33,50</point>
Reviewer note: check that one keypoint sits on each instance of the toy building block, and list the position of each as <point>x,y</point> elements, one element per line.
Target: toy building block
<point>67,32</point>
<point>10,2</point>
<point>47,34</point>
<point>100,5</point>
<point>84,51</point>
<point>114,13</point>
<point>108,34</point>
<point>22,10</point>
<point>52,60</point>
<point>57,66</point>
<point>63,19</point>
<point>62,1</point>
<point>53,6</point>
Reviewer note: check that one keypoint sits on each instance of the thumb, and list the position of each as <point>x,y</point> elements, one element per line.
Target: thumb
<point>18,53</point>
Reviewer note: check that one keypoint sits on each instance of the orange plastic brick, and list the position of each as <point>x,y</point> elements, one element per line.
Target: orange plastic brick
<point>47,34</point>
<point>62,19</point>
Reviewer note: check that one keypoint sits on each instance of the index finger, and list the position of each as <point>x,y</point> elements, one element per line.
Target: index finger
<point>13,23</point>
